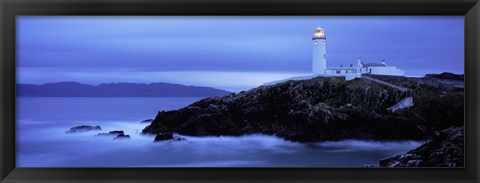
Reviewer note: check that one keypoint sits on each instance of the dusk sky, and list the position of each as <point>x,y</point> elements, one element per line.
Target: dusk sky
<point>231,53</point>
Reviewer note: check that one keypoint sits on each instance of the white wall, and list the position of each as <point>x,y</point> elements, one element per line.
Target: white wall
<point>319,62</point>
<point>392,71</point>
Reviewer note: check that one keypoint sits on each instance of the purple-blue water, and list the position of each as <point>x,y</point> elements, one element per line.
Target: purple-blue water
<point>42,141</point>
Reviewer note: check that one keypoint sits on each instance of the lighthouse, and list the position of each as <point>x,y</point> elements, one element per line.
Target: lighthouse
<point>319,62</point>
<point>320,69</point>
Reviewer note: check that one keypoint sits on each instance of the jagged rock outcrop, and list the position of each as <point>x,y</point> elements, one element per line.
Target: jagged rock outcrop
<point>164,136</point>
<point>114,133</point>
<point>318,109</point>
<point>122,136</point>
<point>83,128</point>
<point>167,136</point>
<point>117,133</point>
<point>146,121</point>
<point>444,150</point>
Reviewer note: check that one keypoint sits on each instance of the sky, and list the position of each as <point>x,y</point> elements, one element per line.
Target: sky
<point>227,52</point>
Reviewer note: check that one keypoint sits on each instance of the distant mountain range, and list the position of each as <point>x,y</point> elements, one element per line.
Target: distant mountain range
<point>75,89</point>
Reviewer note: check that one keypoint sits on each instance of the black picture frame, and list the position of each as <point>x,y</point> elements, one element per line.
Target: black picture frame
<point>11,8</point>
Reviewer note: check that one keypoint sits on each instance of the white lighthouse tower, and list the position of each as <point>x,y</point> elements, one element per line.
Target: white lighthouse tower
<point>319,63</point>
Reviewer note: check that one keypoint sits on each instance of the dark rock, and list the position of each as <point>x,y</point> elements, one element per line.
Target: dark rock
<point>83,128</point>
<point>175,138</point>
<point>116,132</point>
<point>147,121</point>
<point>164,136</point>
<point>444,150</point>
<point>119,132</point>
<point>122,136</point>
<point>446,75</point>
<point>319,109</point>
<point>167,138</point>
<point>402,160</point>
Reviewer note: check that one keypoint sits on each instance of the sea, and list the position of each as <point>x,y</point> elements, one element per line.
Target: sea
<point>42,141</point>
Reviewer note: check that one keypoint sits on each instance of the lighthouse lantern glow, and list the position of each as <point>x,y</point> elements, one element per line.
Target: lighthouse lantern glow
<point>319,33</point>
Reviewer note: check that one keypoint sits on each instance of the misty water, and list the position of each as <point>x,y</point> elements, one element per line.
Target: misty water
<point>42,141</point>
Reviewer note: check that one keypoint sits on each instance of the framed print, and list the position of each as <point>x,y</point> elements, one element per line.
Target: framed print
<point>239,91</point>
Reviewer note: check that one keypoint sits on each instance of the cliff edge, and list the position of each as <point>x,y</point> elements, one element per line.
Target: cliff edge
<point>321,109</point>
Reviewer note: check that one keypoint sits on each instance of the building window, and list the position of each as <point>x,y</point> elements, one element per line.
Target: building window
<point>338,72</point>
<point>315,43</point>
<point>324,56</point>
<point>346,72</point>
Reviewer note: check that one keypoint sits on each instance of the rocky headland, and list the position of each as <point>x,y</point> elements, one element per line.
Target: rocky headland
<point>321,109</point>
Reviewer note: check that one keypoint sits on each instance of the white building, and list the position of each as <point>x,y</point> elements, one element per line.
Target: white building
<point>319,62</point>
